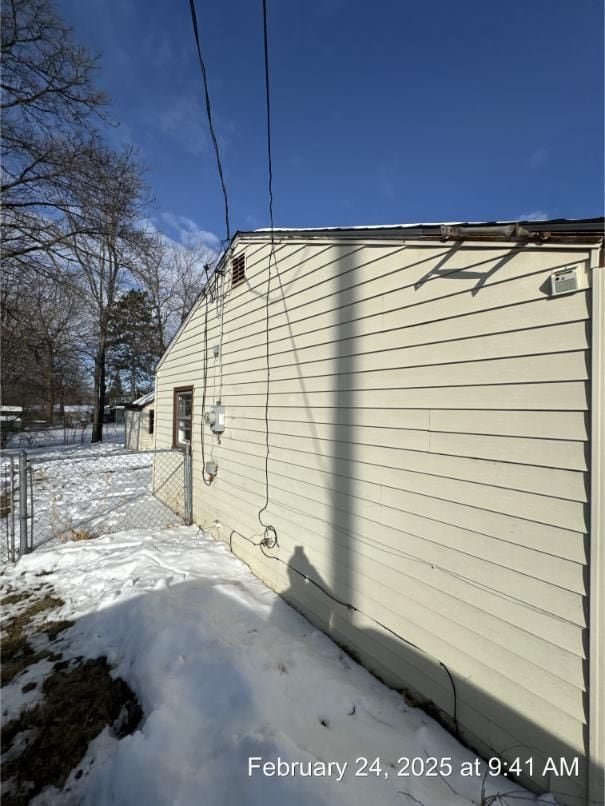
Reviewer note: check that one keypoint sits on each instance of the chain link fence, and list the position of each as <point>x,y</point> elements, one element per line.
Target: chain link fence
<point>59,498</point>
<point>67,431</point>
<point>8,509</point>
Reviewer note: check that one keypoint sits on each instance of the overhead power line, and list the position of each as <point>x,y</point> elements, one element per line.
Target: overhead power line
<point>268,103</point>
<point>219,164</point>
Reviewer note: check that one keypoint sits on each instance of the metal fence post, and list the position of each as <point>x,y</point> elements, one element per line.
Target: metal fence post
<point>188,481</point>
<point>30,471</point>
<point>23,502</point>
<point>12,512</point>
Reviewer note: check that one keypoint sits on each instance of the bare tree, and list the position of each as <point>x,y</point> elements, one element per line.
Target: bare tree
<point>49,108</point>
<point>174,276</point>
<point>42,363</point>
<point>103,248</point>
<point>189,277</point>
<point>150,272</point>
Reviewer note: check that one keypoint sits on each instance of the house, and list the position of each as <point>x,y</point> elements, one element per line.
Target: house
<point>139,421</point>
<point>115,414</point>
<point>11,420</point>
<point>11,414</point>
<point>404,437</point>
<point>74,415</point>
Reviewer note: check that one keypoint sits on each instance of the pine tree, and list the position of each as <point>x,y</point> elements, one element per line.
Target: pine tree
<point>133,353</point>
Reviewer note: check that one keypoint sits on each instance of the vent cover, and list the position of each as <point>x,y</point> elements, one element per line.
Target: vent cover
<point>238,270</point>
<point>564,281</point>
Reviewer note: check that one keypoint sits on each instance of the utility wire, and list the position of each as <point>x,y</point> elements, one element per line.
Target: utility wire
<point>207,481</point>
<point>268,103</point>
<point>209,113</point>
<point>225,243</point>
<point>269,540</point>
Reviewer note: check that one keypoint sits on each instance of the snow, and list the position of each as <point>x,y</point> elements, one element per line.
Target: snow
<point>413,225</point>
<point>375,226</point>
<point>60,437</point>
<point>10,414</point>
<point>226,671</point>
<point>144,399</point>
<point>100,489</point>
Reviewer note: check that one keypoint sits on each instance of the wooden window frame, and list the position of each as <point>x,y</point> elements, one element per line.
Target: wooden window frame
<point>179,390</point>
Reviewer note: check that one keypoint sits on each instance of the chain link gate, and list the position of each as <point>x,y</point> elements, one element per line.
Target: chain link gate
<point>82,496</point>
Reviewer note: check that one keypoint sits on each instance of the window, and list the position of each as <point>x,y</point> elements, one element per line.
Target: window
<point>238,270</point>
<point>151,420</point>
<point>183,406</point>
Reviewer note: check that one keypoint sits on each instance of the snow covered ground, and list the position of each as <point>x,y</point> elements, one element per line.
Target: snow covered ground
<point>230,678</point>
<point>100,491</point>
<point>97,490</point>
<point>61,437</point>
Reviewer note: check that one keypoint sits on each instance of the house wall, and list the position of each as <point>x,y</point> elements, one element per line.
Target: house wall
<point>137,436</point>
<point>428,429</point>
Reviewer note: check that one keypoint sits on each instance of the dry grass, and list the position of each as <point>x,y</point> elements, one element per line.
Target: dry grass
<point>79,534</point>
<point>13,598</point>
<point>17,651</point>
<point>78,703</point>
<point>79,698</point>
<point>63,527</point>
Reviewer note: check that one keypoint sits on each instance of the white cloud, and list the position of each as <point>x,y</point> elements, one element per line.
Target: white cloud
<point>534,215</point>
<point>188,233</point>
<point>181,232</point>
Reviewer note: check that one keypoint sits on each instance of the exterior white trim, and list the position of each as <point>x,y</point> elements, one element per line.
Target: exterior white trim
<point>596,672</point>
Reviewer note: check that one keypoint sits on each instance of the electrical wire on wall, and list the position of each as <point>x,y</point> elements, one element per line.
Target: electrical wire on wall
<point>214,287</point>
<point>353,609</point>
<point>214,292</point>
<point>207,480</point>
<point>270,539</point>
<point>221,298</point>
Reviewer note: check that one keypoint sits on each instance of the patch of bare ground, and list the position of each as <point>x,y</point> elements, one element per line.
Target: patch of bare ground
<point>78,699</point>
<point>48,741</point>
<point>19,630</point>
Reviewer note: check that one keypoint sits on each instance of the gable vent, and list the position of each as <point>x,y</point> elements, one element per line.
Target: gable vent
<point>238,270</point>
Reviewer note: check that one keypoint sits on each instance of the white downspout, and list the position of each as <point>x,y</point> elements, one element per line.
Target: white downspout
<point>596,671</point>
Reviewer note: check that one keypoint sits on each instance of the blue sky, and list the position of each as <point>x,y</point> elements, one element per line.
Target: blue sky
<point>383,112</point>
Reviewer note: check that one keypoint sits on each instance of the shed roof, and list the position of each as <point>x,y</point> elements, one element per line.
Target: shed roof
<point>144,399</point>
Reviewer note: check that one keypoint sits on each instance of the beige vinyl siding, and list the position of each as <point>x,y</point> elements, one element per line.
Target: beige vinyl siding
<point>428,465</point>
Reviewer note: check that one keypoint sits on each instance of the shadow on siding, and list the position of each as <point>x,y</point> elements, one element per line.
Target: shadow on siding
<point>393,660</point>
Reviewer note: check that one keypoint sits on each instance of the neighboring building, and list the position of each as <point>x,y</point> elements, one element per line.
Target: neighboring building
<point>139,419</point>
<point>76,415</point>
<point>11,414</point>
<point>115,414</point>
<point>435,474</point>
<point>11,420</point>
